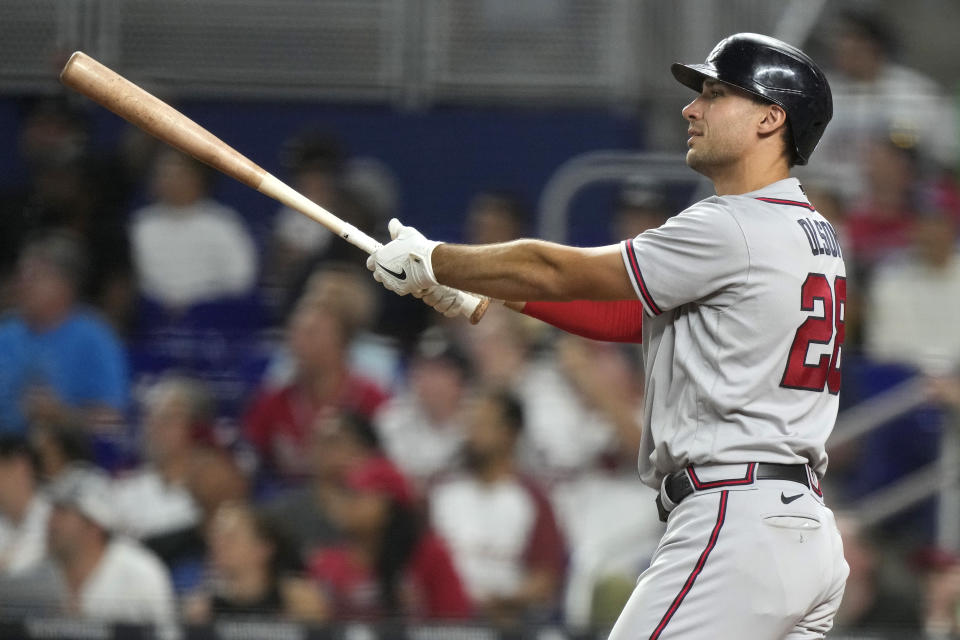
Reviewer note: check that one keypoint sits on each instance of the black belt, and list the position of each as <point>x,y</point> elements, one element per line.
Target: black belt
<point>678,486</point>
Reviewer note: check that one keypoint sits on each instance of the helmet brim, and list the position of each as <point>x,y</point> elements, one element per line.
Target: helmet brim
<point>693,75</point>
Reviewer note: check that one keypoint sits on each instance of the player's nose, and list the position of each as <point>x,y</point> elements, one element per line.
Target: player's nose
<point>692,111</point>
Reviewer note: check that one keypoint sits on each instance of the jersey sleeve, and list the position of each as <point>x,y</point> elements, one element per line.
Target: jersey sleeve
<point>607,320</point>
<point>697,254</point>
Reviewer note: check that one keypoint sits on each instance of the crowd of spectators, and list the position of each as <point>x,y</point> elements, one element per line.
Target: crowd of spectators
<point>197,421</point>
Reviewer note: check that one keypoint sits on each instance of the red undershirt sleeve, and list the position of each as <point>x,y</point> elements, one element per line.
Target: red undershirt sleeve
<point>609,321</point>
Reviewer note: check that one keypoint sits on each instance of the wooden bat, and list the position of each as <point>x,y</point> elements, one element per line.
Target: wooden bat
<point>144,110</point>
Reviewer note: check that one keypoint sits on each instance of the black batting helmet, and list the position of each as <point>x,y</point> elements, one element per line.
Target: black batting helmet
<point>773,70</point>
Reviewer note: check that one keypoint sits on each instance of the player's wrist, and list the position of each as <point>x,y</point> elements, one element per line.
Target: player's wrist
<point>428,269</point>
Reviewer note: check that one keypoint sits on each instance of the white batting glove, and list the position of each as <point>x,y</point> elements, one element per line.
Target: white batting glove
<point>403,265</point>
<point>446,300</point>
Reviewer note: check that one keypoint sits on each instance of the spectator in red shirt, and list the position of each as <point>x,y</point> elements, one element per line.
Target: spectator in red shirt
<point>500,527</point>
<point>280,420</point>
<point>881,223</point>
<point>390,565</point>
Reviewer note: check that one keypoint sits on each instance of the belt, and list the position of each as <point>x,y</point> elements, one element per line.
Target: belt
<point>680,484</point>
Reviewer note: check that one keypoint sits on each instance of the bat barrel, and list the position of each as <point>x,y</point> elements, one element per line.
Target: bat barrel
<point>144,110</point>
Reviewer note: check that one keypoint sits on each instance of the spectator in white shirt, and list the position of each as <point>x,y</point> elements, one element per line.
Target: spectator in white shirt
<point>106,577</point>
<point>914,302</point>
<point>23,509</point>
<point>187,248</point>
<point>155,500</point>
<point>422,427</point>
<point>499,526</point>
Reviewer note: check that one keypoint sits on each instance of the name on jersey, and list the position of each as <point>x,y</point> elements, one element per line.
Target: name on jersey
<point>822,237</point>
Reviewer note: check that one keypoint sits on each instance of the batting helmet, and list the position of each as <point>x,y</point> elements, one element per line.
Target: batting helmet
<point>773,70</point>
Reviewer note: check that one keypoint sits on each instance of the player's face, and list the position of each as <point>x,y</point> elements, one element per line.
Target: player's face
<point>722,125</point>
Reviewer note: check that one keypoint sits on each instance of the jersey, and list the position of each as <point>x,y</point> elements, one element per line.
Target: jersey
<point>744,297</point>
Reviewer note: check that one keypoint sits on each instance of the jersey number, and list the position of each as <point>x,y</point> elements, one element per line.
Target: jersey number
<point>818,330</point>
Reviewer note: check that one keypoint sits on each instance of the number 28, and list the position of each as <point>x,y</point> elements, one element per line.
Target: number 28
<point>818,330</point>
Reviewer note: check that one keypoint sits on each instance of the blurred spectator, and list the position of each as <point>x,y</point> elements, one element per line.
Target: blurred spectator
<point>914,302</point>
<point>315,162</point>
<point>154,500</point>
<point>499,526</point>
<point>641,205</point>
<point>604,561</point>
<point>188,248</point>
<point>106,576</point>
<point>356,190</point>
<point>869,602</point>
<point>71,189</point>
<point>872,93</point>
<point>213,478</point>
<point>574,422</point>
<point>58,361</point>
<point>256,571</point>
<point>338,443</point>
<point>280,421</point>
<point>946,390</point>
<point>940,585</point>
<point>346,289</point>
<point>606,379</point>
<point>496,216</point>
<point>24,510</point>
<point>422,426</point>
<point>878,224</point>
<point>390,564</point>
<point>59,448</point>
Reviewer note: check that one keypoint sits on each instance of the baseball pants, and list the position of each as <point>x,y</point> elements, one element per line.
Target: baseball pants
<point>740,562</point>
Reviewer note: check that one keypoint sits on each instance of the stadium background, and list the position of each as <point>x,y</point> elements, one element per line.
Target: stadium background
<point>565,103</point>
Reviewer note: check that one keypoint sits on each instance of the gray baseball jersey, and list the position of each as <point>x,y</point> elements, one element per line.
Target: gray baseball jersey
<point>744,297</point>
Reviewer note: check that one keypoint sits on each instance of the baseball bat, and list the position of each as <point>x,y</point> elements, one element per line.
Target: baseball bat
<point>144,110</point>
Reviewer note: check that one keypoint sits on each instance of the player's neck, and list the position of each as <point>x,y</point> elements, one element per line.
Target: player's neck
<point>749,174</point>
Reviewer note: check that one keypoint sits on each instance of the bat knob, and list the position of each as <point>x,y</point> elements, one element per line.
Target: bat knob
<point>479,310</point>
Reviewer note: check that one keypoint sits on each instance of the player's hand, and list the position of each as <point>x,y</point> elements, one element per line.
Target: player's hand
<point>403,265</point>
<point>446,300</point>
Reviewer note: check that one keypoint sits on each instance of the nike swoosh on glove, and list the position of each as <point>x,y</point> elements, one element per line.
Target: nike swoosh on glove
<point>403,264</point>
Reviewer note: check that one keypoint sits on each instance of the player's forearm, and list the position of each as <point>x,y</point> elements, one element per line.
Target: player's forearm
<point>530,270</point>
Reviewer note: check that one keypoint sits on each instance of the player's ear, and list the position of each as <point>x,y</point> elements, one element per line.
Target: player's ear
<point>773,117</point>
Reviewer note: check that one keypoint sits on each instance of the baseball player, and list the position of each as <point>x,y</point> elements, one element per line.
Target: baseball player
<point>739,301</point>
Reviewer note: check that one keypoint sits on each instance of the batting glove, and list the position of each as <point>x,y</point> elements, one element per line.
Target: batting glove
<point>403,265</point>
<point>446,300</point>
